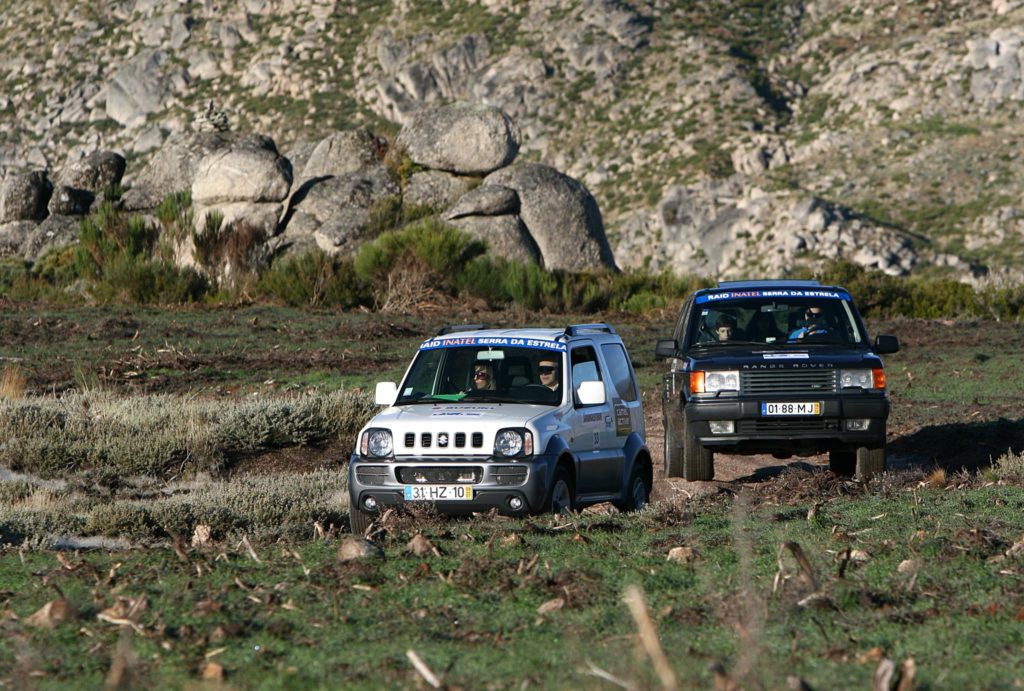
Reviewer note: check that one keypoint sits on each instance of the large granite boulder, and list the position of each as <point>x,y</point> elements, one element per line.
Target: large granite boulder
<point>505,236</point>
<point>333,213</point>
<point>98,171</point>
<point>461,138</point>
<point>69,201</point>
<point>435,188</point>
<point>140,87</point>
<point>13,236</point>
<point>55,232</point>
<point>174,167</point>
<point>342,152</point>
<point>486,200</point>
<point>24,197</point>
<point>561,216</point>
<point>241,174</point>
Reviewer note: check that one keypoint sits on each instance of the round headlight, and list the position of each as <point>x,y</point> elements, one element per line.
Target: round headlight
<point>508,443</point>
<point>379,442</point>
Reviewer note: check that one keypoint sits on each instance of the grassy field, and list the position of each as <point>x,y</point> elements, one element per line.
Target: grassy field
<point>925,564</point>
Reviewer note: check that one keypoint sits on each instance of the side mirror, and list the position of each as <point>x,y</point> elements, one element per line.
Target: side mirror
<point>386,393</point>
<point>591,393</point>
<point>886,344</point>
<point>666,348</point>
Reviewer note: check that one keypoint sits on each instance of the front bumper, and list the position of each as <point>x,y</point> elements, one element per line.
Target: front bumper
<point>756,433</point>
<point>495,482</point>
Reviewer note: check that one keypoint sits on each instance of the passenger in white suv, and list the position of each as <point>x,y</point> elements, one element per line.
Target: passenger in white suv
<point>507,442</point>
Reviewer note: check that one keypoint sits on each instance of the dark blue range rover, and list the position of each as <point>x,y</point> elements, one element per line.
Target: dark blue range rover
<point>779,367</point>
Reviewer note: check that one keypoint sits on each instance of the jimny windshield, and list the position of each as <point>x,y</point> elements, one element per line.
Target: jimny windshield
<point>485,370</point>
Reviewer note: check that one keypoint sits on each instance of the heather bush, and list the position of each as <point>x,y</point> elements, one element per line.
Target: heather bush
<point>162,435</point>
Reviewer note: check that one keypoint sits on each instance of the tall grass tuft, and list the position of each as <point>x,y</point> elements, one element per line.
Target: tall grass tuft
<point>12,384</point>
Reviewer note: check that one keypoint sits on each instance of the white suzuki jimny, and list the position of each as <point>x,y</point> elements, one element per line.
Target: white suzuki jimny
<point>518,420</point>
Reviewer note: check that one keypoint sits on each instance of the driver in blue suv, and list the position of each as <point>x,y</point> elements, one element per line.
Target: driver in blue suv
<point>815,323</point>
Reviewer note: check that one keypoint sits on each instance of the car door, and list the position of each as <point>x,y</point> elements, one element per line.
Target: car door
<point>593,426</point>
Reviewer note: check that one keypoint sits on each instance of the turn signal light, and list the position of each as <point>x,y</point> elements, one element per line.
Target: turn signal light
<point>878,378</point>
<point>696,382</point>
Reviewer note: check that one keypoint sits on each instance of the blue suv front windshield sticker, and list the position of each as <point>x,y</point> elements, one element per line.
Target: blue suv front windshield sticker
<point>786,293</point>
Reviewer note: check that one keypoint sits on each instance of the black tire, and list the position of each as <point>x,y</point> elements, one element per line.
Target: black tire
<point>870,462</point>
<point>638,492</point>
<point>673,453</point>
<point>561,498</point>
<point>842,462</point>
<point>698,461</point>
<point>359,521</point>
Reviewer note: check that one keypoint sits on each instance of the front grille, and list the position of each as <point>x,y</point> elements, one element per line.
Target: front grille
<point>372,475</point>
<point>789,381</point>
<point>509,474</point>
<point>439,475</point>
<point>443,440</point>
<point>770,426</point>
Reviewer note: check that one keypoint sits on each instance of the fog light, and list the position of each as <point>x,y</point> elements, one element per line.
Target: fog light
<point>857,425</point>
<point>370,504</point>
<point>515,503</point>
<point>722,426</point>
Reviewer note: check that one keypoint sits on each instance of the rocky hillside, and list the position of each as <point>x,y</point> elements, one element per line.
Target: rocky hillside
<point>724,137</point>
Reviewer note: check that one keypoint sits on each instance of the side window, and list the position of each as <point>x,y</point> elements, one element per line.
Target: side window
<point>619,371</point>
<point>424,374</point>
<point>583,361</point>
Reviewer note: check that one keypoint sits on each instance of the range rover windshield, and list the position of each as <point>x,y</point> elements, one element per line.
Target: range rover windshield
<point>775,318</point>
<point>485,370</point>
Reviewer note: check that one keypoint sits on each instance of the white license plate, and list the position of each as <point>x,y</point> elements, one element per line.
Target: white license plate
<point>801,408</point>
<point>438,492</point>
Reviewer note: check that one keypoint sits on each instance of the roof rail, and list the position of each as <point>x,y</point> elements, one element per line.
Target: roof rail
<point>766,283</point>
<point>454,328</point>
<point>577,329</point>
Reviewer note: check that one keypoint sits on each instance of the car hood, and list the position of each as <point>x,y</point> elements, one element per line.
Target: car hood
<point>726,358</point>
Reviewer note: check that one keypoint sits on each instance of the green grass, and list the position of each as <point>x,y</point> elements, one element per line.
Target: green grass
<point>471,613</point>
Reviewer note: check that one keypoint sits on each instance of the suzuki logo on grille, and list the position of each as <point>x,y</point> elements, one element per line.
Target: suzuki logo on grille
<point>442,439</point>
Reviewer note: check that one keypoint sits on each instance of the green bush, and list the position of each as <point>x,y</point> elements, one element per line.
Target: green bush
<point>313,278</point>
<point>122,519</point>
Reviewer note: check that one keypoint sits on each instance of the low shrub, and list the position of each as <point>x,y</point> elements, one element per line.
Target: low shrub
<point>122,519</point>
<point>159,435</point>
<point>315,279</point>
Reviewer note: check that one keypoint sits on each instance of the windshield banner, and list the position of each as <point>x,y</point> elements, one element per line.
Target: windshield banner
<point>784,293</point>
<point>491,341</point>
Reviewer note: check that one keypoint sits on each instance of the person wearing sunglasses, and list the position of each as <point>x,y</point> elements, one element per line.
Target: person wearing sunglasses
<point>483,376</point>
<point>547,372</point>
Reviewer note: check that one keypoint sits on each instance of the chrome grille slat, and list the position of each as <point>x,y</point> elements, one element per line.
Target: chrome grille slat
<point>768,383</point>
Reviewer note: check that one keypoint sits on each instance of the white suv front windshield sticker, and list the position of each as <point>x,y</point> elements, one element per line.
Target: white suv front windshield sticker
<point>491,341</point>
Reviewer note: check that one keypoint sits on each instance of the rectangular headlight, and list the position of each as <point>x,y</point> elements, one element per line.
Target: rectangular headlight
<point>713,382</point>
<point>862,378</point>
